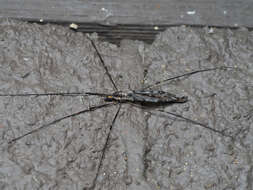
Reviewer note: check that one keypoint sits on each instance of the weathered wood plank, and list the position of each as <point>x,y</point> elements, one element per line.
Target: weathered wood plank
<point>153,12</point>
<point>134,19</point>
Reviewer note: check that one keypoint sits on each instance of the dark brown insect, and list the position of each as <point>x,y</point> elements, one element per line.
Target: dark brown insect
<point>142,97</point>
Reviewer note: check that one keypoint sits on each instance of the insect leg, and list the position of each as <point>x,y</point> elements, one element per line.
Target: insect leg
<point>104,149</point>
<point>197,123</point>
<point>186,74</point>
<point>90,109</point>
<point>48,94</point>
<point>103,63</point>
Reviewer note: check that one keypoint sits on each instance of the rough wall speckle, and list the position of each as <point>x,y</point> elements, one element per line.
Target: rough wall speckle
<point>148,149</point>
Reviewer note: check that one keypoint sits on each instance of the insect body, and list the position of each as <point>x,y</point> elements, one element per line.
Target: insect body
<point>143,97</point>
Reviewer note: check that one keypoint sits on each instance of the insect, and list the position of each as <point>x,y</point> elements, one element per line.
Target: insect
<point>144,97</point>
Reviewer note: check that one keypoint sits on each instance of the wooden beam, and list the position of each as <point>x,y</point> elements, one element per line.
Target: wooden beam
<point>141,19</point>
<point>148,12</point>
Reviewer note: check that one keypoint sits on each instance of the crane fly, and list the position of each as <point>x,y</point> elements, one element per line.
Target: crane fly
<point>142,98</point>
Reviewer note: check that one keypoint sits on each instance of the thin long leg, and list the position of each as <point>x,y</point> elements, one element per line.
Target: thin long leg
<point>197,123</point>
<point>48,94</point>
<point>74,94</point>
<point>186,74</point>
<point>90,109</point>
<point>104,149</point>
<point>103,63</point>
